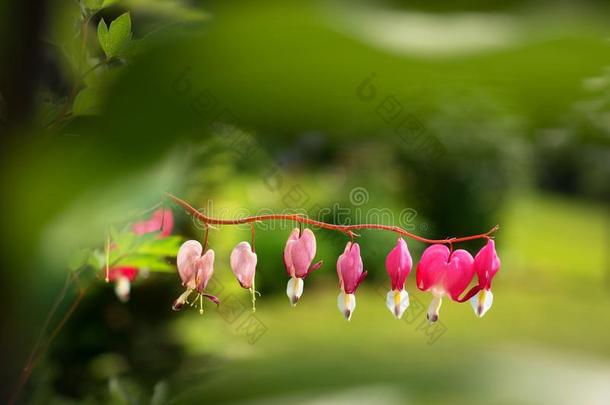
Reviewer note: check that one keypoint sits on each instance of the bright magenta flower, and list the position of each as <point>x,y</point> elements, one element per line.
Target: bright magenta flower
<point>398,264</point>
<point>195,270</point>
<point>298,254</point>
<point>243,264</point>
<point>486,265</point>
<point>443,272</point>
<point>351,274</point>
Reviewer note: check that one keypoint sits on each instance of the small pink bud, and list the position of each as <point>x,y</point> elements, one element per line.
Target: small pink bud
<point>486,265</point>
<point>243,264</point>
<point>351,274</point>
<point>350,268</point>
<point>398,264</point>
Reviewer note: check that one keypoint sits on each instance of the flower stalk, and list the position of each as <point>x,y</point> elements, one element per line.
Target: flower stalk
<point>302,219</point>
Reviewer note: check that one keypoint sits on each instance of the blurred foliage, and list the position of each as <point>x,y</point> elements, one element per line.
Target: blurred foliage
<point>251,107</point>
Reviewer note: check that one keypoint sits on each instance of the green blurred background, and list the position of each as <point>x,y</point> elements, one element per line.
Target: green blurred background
<point>444,118</point>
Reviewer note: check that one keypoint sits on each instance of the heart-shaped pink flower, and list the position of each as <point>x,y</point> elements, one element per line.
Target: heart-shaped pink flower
<point>443,272</point>
<point>195,270</point>
<point>298,254</point>
<point>243,264</point>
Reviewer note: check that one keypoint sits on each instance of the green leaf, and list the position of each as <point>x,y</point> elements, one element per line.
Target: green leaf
<point>161,247</point>
<point>102,34</point>
<point>86,102</point>
<point>97,259</point>
<point>108,3</point>
<point>114,39</point>
<point>150,262</point>
<point>93,5</point>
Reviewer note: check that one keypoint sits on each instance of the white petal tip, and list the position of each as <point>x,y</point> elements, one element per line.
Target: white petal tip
<point>434,308</point>
<point>397,302</point>
<point>294,290</point>
<point>122,289</point>
<point>481,303</point>
<point>346,304</point>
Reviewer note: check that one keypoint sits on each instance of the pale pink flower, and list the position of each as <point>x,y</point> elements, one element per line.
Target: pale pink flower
<point>195,269</point>
<point>243,264</point>
<point>298,254</point>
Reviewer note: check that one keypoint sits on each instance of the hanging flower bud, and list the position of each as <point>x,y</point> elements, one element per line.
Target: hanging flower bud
<point>243,264</point>
<point>443,272</point>
<point>195,270</point>
<point>298,254</point>
<point>486,265</point>
<point>398,264</point>
<point>351,274</point>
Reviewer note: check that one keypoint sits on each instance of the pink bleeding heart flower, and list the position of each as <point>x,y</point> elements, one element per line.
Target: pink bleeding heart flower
<point>443,272</point>
<point>398,264</point>
<point>195,269</point>
<point>351,274</point>
<point>122,276</point>
<point>161,220</point>
<point>298,254</point>
<point>486,265</point>
<point>243,264</point>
